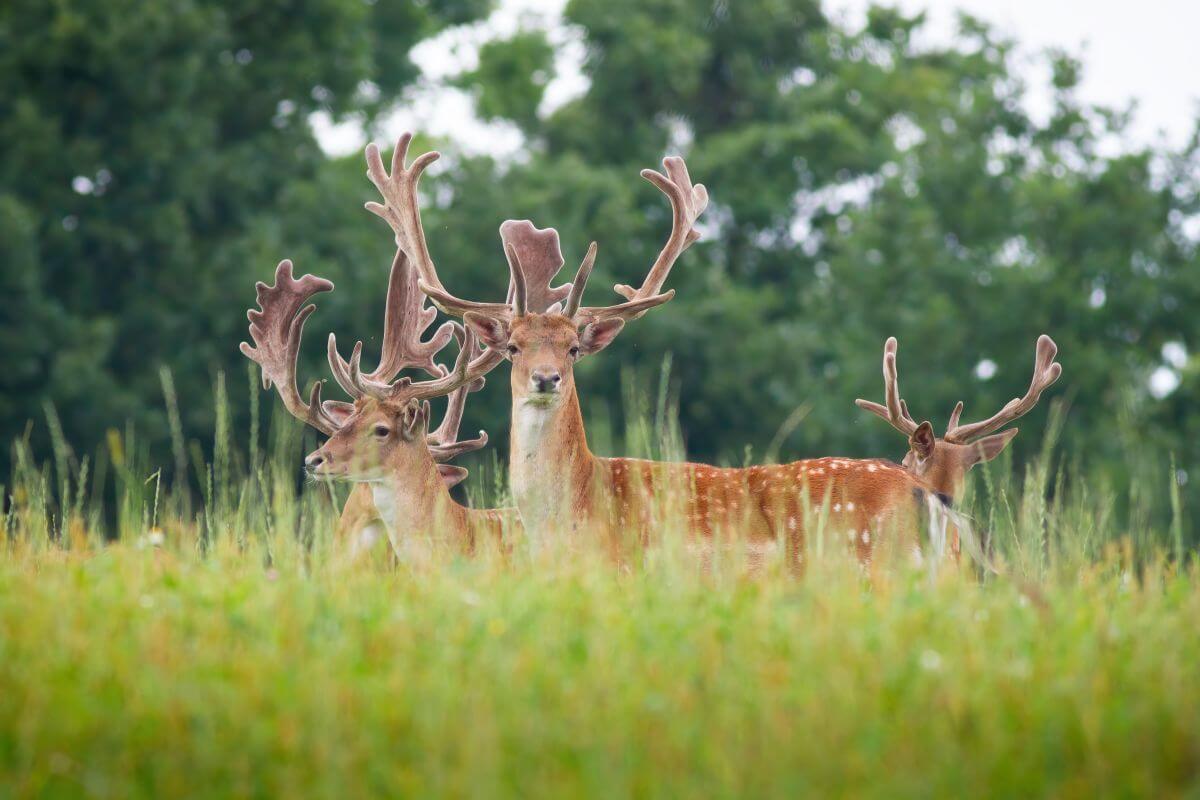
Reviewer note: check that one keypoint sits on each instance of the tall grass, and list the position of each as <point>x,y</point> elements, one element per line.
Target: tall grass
<point>159,639</point>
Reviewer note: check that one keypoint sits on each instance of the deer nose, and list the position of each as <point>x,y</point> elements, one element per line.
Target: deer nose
<point>545,380</point>
<point>314,460</point>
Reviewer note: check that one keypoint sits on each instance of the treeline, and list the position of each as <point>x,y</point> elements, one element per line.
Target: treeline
<point>155,160</point>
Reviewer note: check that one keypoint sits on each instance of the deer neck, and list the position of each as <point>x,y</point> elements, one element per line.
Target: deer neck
<point>416,502</point>
<point>550,465</point>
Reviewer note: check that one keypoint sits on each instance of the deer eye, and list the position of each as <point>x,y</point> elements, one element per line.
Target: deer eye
<point>513,350</point>
<point>574,351</point>
<point>381,431</point>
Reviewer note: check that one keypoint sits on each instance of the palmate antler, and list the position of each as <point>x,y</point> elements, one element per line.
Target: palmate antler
<point>1045,372</point>
<point>276,328</point>
<point>533,254</point>
<point>405,319</point>
<point>443,442</point>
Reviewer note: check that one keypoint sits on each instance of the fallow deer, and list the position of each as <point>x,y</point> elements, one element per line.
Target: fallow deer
<point>381,441</point>
<point>944,462</point>
<point>558,483</point>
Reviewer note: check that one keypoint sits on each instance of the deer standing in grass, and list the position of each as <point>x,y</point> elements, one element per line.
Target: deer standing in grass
<point>944,462</point>
<point>381,440</point>
<point>558,483</point>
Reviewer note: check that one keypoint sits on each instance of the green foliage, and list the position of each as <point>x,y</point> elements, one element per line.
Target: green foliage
<point>233,650</point>
<point>141,146</point>
<point>511,77</point>
<point>153,674</point>
<point>862,187</point>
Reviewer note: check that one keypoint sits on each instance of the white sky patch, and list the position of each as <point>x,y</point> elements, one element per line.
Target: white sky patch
<point>1147,57</point>
<point>985,370</point>
<point>831,199</point>
<point>1163,381</point>
<point>1145,53</point>
<point>338,138</point>
<point>438,110</point>
<point>1175,354</point>
<point>1014,252</point>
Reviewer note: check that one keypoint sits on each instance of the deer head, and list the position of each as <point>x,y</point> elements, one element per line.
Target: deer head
<point>384,431</point>
<point>542,330</point>
<point>944,462</point>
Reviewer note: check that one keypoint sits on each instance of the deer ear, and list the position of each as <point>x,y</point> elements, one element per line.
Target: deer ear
<point>923,441</point>
<point>338,411</point>
<point>989,447</point>
<point>491,331</point>
<point>413,420</point>
<point>451,475</point>
<point>598,335</point>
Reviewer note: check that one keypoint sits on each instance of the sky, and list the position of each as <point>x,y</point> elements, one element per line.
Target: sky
<point>1143,52</point>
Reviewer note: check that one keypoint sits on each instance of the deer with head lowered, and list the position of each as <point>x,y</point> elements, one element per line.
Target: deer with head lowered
<point>558,483</point>
<point>381,440</point>
<point>944,462</point>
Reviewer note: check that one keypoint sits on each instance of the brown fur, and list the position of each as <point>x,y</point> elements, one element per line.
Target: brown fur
<point>560,485</point>
<point>945,461</point>
<point>944,465</point>
<point>400,461</point>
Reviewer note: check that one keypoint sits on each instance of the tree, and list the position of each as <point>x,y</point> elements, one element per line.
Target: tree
<point>141,147</point>
<point>862,187</point>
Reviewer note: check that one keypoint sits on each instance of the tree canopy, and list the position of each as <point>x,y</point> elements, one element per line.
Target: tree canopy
<point>155,163</point>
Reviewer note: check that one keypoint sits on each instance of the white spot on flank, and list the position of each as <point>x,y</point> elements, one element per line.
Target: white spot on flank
<point>818,472</point>
<point>849,506</point>
<point>866,536</point>
<point>837,507</point>
<point>791,523</point>
<point>366,538</point>
<point>871,468</point>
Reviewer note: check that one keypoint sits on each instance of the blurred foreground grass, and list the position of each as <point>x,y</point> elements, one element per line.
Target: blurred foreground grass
<point>221,646</point>
<point>141,672</point>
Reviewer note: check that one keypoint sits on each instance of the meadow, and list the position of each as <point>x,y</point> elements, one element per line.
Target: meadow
<point>162,642</point>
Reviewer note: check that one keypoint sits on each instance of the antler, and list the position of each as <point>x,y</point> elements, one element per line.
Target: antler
<point>1045,372</point>
<point>896,410</point>
<point>688,202</point>
<point>401,210</point>
<point>538,258</point>
<point>443,442</point>
<point>276,328</point>
<point>533,254</point>
<point>466,371</point>
<point>405,319</point>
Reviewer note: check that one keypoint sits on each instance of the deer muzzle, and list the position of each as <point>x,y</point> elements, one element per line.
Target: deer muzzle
<point>544,381</point>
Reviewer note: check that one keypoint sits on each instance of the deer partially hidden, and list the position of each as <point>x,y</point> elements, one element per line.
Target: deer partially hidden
<point>381,440</point>
<point>558,483</point>
<point>944,462</point>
